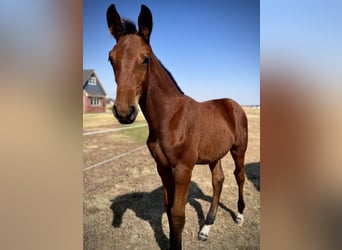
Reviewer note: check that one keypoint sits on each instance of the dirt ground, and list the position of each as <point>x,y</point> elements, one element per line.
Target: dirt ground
<point>123,200</point>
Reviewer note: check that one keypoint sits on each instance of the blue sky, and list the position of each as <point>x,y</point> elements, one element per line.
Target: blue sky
<point>304,33</point>
<point>212,48</point>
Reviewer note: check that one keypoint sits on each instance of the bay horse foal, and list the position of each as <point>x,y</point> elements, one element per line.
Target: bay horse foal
<point>182,132</point>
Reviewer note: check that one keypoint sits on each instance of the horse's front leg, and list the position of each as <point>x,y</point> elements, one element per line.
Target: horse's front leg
<point>165,174</point>
<point>182,177</point>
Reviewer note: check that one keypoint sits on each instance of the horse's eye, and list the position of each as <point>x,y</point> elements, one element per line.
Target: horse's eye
<point>146,60</point>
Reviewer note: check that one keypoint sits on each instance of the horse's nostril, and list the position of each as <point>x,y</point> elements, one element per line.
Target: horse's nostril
<point>126,117</point>
<point>132,112</point>
<point>132,109</point>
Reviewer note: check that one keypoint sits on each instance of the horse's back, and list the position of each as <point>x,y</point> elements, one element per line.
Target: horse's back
<point>229,110</point>
<point>237,120</point>
<point>222,124</point>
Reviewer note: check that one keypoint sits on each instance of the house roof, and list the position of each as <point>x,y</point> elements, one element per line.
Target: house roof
<point>92,90</point>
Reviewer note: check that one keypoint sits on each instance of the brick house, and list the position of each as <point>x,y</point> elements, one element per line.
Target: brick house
<point>94,95</point>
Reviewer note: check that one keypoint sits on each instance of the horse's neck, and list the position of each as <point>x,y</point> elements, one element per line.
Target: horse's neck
<point>160,95</point>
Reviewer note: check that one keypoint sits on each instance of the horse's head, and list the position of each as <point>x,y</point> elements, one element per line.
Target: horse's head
<point>130,60</point>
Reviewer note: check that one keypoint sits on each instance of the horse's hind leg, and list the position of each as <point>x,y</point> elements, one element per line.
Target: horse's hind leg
<point>217,181</point>
<point>239,159</point>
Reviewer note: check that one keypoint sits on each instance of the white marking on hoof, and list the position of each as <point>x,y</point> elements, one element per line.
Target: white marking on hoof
<point>239,219</point>
<point>204,233</point>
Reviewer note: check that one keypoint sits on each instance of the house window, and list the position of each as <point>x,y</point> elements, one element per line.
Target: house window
<point>95,101</point>
<point>92,80</point>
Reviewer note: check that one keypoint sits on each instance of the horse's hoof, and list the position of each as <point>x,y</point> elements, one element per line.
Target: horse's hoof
<point>204,233</point>
<point>239,219</point>
<point>202,236</point>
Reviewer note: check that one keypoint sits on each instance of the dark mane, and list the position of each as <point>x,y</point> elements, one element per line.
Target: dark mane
<point>130,28</point>
<point>173,79</point>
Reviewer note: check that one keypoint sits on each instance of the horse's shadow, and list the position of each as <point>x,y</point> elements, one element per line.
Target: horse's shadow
<point>149,206</point>
<point>252,171</point>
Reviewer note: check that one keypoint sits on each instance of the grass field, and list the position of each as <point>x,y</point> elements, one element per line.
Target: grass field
<point>123,200</point>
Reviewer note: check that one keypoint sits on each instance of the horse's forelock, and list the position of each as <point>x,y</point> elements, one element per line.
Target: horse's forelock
<point>129,27</point>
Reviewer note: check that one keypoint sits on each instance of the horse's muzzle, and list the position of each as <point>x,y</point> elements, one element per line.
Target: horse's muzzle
<point>125,118</point>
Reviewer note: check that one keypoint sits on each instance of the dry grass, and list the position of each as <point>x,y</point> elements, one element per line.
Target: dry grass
<point>123,204</point>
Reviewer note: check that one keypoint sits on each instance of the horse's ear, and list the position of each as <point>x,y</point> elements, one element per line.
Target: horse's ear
<point>145,23</point>
<point>114,22</point>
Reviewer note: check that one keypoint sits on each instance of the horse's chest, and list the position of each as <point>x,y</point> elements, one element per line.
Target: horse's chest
<point>158,153</point>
